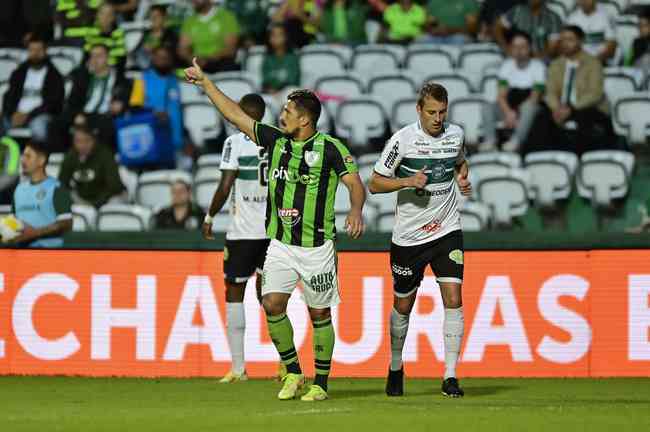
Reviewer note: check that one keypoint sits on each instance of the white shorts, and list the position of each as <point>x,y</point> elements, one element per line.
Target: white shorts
<point>316,267</point>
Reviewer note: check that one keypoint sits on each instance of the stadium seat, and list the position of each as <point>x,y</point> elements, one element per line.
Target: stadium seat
<point>7,66</point>
<point>64,64</point>
<point>468,112</point>
<point>365,172</point>
<point>490,87</point>
<point>368,159</point>
<point>342,199</point>
<point>154,187</point>
<point>604,175</point>
<point>344,51</point>
<point>399,51</point>
<point>54,164</point>
<point>359,120</point>
<point>253,60</point>
<point>427,60</point>
<point>129,180</point>
<point>626,31</point>
<point>491,164</point>
<point>324,124</point>
<point>75,53</point>
<point>337,88</point>
<point>5,210</point>
<point>371,62</point>
<point>204,187</point>
<point>221,221</point>
<point>403,113</point>
<point>19,55</point>
<point>234,84</point>
<point>560,9</point>
<point>551,176</point>
<point>191,93</point>
<point>208,164</point>
<point>386,221</point>
<point>123,217</point>
<point>457,85</point>
<point>132,38</point>
<point>83,217</point>
<point>618,85</point>
<point>473,64</point>
<point>632,113</point>
<point>505,194</point>
<point>319,64</point>
<point>202,122</point>
<point>474,216</point>
<point>388,89</point>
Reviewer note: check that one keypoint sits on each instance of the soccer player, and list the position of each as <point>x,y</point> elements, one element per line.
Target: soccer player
<point>243,165</point>
<point>419,163</point>
<point>305,167</point>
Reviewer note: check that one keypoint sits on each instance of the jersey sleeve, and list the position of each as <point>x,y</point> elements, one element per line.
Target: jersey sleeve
<point>230,157</point>
<point>390,158</point>
<point>461,154</point>
<point>502,75</point>
<point>62,204</point>
<point>341,160</point>
<point>266,135</point>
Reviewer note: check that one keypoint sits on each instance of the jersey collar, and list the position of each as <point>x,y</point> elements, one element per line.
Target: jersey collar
<point>427,134</point>
<point>311,138</point>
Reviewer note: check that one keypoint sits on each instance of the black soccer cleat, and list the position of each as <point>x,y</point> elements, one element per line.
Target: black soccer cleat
<point>451,388</point>
<point>395,383</point>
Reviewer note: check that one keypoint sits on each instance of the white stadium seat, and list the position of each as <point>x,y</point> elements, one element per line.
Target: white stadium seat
<point>319,64</point>
<point>604,175</point>
<point>204,187</point>
<point>403,113</point>
<point>342,199</point>
<point>358,120</point>
<point>491,164</point>
<point>618,85</point>
<point>254,59</point>
<point>64,64</point>
<point>5,210</point>
<point>626,32</point>
<point>473,64</point>
<point>559,8</point>
<point>221,221</point>
<point>339,88</point>
<point>7,66</point>
<point>474,216</point>
<point>154,187</point>
<point>506,195</point>
<point>426,61</point>
<point>54,164</point>
<point>132,39</point>
<point>129,180</point>
<point>84,217</point>
<point>376,61</point>
<point>234,84</point>
<point>208,164</point>
<point>388,89</point>
<point>632,113</point>
<point>123,217</point>
<point>191,93</point>
<point>324,124</point>
<point>457,85</point>
<point>202,122</point>
<point>551,176</point>
<point>490,87</point>
<point>75,53</point>
<point>468,112</point>
<point>344,51</point>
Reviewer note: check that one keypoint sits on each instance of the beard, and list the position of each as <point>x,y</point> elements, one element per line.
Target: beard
<point>36,64</point>
<point>164,70</point>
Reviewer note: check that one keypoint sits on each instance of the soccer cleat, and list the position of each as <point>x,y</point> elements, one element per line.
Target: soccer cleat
<point>292,383</point>
<point>233,378</point>
<point>451,388</point>
<point>282,371</point>
<point>395,383</point>
<point>315,394</point>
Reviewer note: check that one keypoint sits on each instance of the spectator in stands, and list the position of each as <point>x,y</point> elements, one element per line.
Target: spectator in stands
<point>301,18</point>
<point>160,34</point>
<point>99,93</point>
<point>600,39</point>
<point>574,92</point>
<point>126,9</point>
<point>35,93</point>
<point>639,55</point>
<point>183,214</point>
<point>253,16</point>
<point>404,21</point>
<point>106,32</point>
<point>521,88</point>
<point>534,18</point>
<point>211,35</point>
<point>491,11</point>
<point>344,21</point>
<point>454,23</point>
<point>280,67</point>
<point>90,172</point>
<point>40,202</point>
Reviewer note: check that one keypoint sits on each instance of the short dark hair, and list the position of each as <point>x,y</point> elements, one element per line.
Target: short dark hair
<point>432,90</point>
<point>37,37</point>
<point>576,30</point>
<point>40,148</point>
<point>645,13</point>
<point>522,34</point>
<point>160,8</point>
<point>307,101</point>
<point>85,129</point>
<point>253,105</point>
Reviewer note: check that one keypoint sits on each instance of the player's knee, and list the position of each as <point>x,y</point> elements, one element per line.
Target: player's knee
<point>235,292</point>
<point>272,306</point>
<point>453,301</point>
<point>319,314</point>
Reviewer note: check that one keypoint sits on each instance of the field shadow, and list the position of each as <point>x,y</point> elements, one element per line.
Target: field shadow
<point>488,390</point>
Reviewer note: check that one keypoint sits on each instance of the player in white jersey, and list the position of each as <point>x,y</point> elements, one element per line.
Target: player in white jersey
<point>422,162</point>
<point>244,172</point>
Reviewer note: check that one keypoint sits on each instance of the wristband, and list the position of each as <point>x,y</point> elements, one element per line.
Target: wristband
<point>208,219</point>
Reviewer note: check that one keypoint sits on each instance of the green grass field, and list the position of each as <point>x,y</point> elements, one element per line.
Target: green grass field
<point>557,405</point>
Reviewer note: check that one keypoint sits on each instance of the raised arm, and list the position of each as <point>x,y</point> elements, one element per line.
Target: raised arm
<point>226,106</point>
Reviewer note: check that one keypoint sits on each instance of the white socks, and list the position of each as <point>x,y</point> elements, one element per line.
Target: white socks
<point>399,325</point>
<point>235,330</point>
<point>453,329</point>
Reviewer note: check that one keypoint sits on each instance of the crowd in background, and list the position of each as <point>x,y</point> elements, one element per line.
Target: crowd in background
<point>552,76</point>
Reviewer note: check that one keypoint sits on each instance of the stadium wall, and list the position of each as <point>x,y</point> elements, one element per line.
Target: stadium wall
<point>137,313</point>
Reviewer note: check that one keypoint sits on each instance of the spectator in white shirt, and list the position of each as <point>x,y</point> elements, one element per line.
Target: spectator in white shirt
<point>521,86</point>
<point>600,35</point>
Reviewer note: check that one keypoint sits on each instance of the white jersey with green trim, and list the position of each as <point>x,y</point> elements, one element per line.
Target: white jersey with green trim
<point>423,215</point>
<point>248,195</point>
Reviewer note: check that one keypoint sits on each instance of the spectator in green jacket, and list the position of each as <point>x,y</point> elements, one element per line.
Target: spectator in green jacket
<point>344,21</point>
<point>280,67</point>
<point>90,172</point>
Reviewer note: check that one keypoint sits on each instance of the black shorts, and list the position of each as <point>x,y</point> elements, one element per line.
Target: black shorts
<point>241,258</point>
<point>444,255</point>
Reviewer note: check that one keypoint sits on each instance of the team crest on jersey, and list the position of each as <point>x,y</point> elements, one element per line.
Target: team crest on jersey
<point>311,158</point>
<point>438,171</point>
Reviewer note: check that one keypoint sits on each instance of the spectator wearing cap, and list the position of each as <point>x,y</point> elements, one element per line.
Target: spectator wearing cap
<point>183,214</point>
<point>90,172</point>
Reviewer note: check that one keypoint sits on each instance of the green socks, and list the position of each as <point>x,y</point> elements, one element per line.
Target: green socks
<point>323,349</point>
<point>282,336</point>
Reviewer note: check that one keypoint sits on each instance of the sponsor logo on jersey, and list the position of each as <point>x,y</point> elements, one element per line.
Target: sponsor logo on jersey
<point>456,256</point>
<point>289,216</point>
<point>421,143</point>
<point>322,282</point>
<point>434,193</point>
<point>392,156</point>
<point>311,158</point>
<point>431,227</point>
<point>402,271</point>
<point>292,176</point>
<point>450,140</point>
